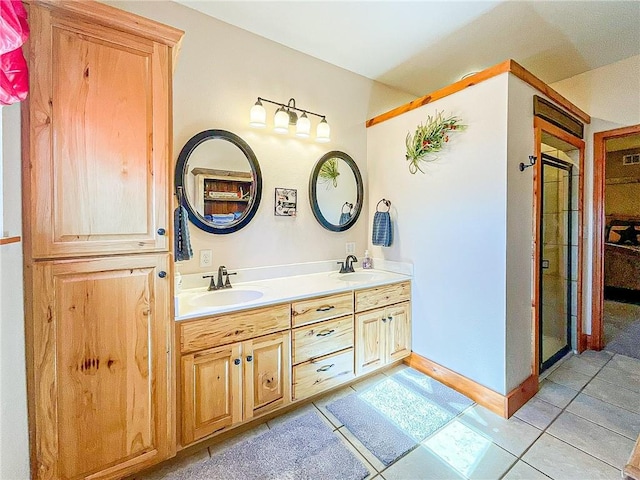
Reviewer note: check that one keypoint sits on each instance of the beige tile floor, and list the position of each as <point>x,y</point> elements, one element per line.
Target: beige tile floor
<point>581,425</point>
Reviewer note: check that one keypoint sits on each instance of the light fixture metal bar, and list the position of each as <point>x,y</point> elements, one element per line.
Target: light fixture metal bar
<point>284,105</point>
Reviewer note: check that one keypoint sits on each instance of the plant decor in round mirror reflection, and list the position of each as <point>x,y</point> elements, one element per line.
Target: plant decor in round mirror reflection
<point>336,191</point>
<point>220,179</point>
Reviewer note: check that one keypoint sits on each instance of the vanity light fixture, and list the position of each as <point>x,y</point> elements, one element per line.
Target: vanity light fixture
<point>287,115</point>
<point>258,115</point>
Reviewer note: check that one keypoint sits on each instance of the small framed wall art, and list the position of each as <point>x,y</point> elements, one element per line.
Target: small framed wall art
<point>286,202</point>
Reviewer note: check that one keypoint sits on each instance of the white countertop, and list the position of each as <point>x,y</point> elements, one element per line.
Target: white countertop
<point>198,302</point>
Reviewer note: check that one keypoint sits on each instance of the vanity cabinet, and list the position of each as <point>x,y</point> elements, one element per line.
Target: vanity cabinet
<point>322,348</point>
<point>228,383</point>
<point>240,365</point>
<point>383,334</point>
<point>97,140</point>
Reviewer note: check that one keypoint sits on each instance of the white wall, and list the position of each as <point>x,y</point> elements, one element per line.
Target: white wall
<point>611,95</point>
<point>14,444</point>
<point>451,223</point>
<point>221,71</point>
<point>520,222</point>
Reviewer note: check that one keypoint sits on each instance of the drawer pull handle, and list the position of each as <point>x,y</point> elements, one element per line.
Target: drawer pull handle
<point>325,368</point>
<point>325,308</point>
<point>324,333</point>
<point>236,361</point>
<point>249,358</point>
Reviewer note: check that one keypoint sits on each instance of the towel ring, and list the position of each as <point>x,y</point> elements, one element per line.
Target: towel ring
<point>346,204</point>
<point>386,202</point>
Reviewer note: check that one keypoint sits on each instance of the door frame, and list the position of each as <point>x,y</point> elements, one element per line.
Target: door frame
<point>597,292</point>
<point>539,126</point>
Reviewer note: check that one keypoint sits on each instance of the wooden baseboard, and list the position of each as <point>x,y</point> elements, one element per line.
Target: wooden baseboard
<point>520,395</point>
<point>503,405</point>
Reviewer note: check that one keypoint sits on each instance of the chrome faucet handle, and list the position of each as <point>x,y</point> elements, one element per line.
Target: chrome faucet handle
<point>212,283</point>
<point>227,284</point>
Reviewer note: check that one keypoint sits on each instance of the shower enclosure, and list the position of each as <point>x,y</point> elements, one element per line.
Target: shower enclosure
<point>556,261</point>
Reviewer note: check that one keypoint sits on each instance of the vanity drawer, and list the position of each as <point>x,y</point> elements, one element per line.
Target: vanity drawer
<point>383,295</point>
<point>233,327</point>
<point>323,308</point>
<point>322,373</point>
<point>320,339</point>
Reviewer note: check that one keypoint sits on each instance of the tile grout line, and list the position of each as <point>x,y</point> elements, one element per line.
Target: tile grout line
<point>563,409</point>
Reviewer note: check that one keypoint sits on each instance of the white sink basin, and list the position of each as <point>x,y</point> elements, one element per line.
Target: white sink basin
<point>360,277</point>
<point>222,298</point>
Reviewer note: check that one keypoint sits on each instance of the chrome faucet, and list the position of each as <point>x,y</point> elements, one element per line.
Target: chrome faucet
<point>223,279</point>
<point>347,265</point>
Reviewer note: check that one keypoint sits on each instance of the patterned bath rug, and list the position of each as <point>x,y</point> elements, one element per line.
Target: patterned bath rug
<point>396,414</point>
<point>302,448</point>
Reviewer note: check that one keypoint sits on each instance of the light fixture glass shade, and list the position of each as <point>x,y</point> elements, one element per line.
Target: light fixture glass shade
<point>303,126</point>
<point>258,116</point>
<point>281,121</point>
<point>323,132</point>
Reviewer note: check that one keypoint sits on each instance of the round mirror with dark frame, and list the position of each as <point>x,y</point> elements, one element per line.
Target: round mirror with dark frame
<point>336,191</point>
<point>219,180</point>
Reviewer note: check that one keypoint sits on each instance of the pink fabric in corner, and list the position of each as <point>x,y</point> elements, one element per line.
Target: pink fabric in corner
<point>14,30</point>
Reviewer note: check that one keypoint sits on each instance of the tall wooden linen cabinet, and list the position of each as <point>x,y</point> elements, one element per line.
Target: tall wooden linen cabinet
<point>96,141</point>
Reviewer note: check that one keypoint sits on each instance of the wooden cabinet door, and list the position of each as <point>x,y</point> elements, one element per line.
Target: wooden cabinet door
<point>98,127</point>
<point>101,373</point>
<point>211,391</point>
<point>267,376</point>
<point>369,341</point>
<point>398,325</point>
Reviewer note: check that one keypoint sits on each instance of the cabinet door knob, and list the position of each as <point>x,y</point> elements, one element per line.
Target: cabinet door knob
<point>161,231</point>
<point>236,361</point>
<point>249,358</point>
<point>390,317</point>
<point>162,274</point>
<point>384,320</point>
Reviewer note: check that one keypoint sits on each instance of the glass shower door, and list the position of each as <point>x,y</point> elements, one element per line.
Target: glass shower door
<point>555,261</point>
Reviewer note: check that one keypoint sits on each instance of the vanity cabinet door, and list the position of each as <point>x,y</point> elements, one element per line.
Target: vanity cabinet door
<point>101,339</point>
<point>211,391</point>
<point>398,327</point>
<point>383,336</point>
<point>98,122</point>
<point>370,338</point>
<point>267,383</point>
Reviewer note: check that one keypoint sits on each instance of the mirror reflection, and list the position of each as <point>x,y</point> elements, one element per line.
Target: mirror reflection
<point>336,191</point>
<point>221,180</point>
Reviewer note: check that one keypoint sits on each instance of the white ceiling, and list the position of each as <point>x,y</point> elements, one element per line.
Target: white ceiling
<point>419,46</point>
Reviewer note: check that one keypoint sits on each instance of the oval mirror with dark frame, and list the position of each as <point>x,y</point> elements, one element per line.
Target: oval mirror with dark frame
<point>336,191</point>
<point>220,180</point>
